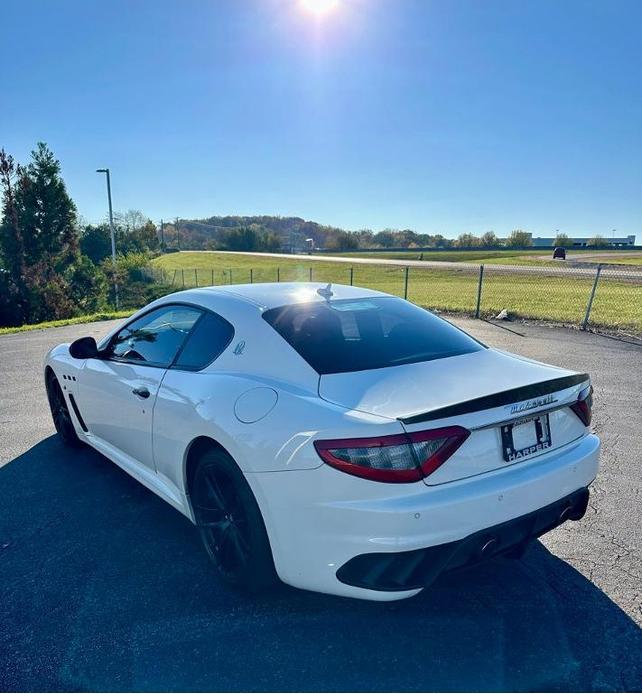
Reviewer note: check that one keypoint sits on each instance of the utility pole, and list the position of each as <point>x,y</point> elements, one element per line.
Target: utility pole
<point>178,236</point>
<point>162,237</point>
<point>111,231</point>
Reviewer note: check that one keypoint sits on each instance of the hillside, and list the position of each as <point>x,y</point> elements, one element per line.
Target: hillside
<point>286,232</point>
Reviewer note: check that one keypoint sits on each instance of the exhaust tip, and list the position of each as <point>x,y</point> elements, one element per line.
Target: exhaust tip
<point>489,545</point>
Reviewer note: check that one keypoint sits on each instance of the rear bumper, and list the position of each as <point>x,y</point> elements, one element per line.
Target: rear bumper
<point>398,571</point>
<point>319,520</point>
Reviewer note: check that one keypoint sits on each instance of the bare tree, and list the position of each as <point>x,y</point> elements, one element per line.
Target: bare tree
<point>488,239</point>
<point>519,239</point>
<point>132,220</point>
<point>562,240</point>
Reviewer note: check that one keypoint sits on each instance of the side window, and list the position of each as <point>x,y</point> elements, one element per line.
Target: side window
<point>156,337</point>
<point>209,338</point>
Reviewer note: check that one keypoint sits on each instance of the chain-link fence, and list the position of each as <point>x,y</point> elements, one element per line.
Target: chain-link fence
<point>604,297</point>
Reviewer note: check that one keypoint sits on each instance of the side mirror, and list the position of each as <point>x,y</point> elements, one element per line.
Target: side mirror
<point>84,348</point>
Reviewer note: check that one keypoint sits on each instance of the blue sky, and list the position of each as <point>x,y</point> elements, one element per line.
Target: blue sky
<point>446,116</point>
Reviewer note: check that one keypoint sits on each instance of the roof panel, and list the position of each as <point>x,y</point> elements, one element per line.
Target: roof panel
<point>273,294</point>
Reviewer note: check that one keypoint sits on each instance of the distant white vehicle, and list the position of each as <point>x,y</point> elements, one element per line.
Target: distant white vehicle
<point>340,439</point>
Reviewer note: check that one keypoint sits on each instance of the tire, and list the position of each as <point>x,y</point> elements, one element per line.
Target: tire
<point>230,523</point>
<point>60,413</point>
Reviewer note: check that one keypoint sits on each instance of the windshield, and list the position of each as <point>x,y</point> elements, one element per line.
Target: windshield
<point>355,335</point>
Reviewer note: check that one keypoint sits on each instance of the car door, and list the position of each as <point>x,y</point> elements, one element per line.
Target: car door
<point>186,395</point>
<point>117,393</point>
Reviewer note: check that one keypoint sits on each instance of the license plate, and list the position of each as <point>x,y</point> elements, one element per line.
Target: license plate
<point>525,437</point>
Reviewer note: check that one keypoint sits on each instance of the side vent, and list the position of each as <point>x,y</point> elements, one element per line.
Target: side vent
<point>81,421</point>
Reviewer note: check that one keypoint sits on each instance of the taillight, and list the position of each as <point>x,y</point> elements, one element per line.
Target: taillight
<point>584,405</point>
<point>397,458</point>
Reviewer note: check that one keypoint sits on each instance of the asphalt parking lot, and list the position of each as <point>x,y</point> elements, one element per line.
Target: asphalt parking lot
<point>104,586</point>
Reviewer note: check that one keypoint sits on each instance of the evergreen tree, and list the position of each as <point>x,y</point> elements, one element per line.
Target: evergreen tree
<point>46,213</point>
<point>95,242</point>
<point>14,294</point>
<point>39,246</point>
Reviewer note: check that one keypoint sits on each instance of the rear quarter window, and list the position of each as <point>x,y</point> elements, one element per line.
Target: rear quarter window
<point>356,335</point>
<point>210,336</point>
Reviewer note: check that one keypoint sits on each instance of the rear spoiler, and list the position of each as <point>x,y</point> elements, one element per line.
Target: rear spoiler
<point>505,397</point>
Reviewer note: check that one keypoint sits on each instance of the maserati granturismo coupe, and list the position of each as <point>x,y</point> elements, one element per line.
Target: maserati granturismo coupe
<point>336,438</point>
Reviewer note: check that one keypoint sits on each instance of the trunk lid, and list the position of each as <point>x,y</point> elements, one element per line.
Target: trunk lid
<point>488,392</point>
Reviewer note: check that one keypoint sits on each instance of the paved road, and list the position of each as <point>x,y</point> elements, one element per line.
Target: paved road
<point>103,586</point>
<point>561,270</point>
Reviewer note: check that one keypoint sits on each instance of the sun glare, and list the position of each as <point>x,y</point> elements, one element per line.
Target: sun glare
<point>319,7</point>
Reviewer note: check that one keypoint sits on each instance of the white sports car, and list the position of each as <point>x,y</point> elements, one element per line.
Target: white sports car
<point>340,439</point>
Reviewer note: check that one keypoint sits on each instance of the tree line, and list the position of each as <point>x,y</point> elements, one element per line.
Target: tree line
<point>51,264</point>
<point>273,233</point>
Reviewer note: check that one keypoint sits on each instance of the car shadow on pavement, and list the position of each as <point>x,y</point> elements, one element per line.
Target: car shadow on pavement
<point>103,586</point>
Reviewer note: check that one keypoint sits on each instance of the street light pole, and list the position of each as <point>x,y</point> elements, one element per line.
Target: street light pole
<point>111,230</point>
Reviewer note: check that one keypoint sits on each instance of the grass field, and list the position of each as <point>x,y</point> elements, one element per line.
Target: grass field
<point>630,258</point>
<point>507,257</point>
<point>540,295</point>
<point>539,257</point>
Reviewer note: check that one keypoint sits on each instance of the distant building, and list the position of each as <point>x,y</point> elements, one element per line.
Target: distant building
<point>581,242</point>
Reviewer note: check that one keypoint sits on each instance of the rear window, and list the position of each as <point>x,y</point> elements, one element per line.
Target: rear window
<point>355,335</point>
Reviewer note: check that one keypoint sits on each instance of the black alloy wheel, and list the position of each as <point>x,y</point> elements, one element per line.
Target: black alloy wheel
<point>230,523</point>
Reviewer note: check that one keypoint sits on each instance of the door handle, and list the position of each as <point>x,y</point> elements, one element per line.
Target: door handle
<point>142,392</point>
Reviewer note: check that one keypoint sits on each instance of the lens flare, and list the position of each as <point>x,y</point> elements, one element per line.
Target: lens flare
<point>319,7</point>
